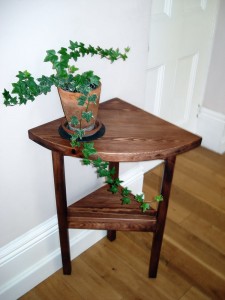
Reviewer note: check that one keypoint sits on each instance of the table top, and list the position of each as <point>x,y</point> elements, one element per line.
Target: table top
<point>131,134</point>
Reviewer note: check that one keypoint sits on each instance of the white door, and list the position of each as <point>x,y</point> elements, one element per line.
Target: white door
<point>180,43</point>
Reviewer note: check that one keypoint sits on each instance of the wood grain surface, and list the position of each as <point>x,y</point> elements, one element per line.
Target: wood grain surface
<point>131,135</point>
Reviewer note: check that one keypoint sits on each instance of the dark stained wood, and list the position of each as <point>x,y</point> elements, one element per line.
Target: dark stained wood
<point>103,210</point>
<point>161,216</point>
<point>111,234</point>
<point>131,135</point>
<point>61,205</point>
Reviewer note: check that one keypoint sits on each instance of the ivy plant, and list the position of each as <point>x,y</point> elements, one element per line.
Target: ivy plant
<point>65,74</point>
<point>66,77</point>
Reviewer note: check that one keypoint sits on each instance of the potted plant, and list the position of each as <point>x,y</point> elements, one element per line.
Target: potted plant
<point>79,94</point>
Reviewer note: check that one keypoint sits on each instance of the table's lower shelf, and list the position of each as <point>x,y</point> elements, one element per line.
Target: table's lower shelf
<point>103,210</point>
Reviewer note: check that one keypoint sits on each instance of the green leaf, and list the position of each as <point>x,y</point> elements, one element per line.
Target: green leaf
<point>51,56</point>
<point>89,146</point>
<point>8,99</point>
<point>112,171</point>
<point>113,189</point>
<point>80,133</point>
<point>126,200</point>
<point>88,150</point>
<point>92,50</point>
<point>126,191</point>
<point>117,181</point>
<point>144,206</point>
<point>81,100</point>
<point>74,121</point>
<point>87,116</point>
<point>92,98</point>
<point>23,75</point>
<point>73,45</point>
<point>94,80</point>
<point>45,84</point>
<point>75,55</point>
<point>82,49</point>
<point>86,161</point>
<point>109,180</point>
<point>73,140</point>
<point>102,172</point>
<point>97,162</point>
<point>63,51</point>
<point>139,198</point>
<point>73,69</point>
<point>158,198</point>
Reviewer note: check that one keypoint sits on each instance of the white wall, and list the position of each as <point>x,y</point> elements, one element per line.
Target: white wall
<point>214,97</point>
<point>27,30</point>
<point>211,118</point>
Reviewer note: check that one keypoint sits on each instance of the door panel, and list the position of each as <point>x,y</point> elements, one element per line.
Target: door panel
<point>180,43</point>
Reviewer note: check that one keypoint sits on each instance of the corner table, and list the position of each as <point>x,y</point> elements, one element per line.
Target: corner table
<point>131,135</point>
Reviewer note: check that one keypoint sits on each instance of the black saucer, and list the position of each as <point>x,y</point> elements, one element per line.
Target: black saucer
<point>65,135</point>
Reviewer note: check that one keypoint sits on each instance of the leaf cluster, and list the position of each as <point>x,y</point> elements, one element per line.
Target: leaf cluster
<point>65,73</point>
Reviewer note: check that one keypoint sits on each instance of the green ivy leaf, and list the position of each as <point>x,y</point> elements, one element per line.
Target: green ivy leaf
<point>102,172</point>
<point>112,171</point>
<point>51,56</point>
<point>109,180</point>
<point>139,198</point>
<point>8,99</point>
<point>92,50</point>
<point>126,200</point>
<point>144,206</point>
<point>88,150</point>
<point>74,121</point>
<point>81,100</point>
<point>97,162</point>
<point>73,140</point>
<point>86,161</point>
<point>80,133</point>
<point>92,98</point>
<point>23,75</point>
<point>87,115</point>
<point>73,45</point>
<point>63,51</point>
<point>159,198</point>
<point>73,69</point>
<point>117,181</point>
<point>45,84</point>
<point>126,191</point>
<point>114,189</point>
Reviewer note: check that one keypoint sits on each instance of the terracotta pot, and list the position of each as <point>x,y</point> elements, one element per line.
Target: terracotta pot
<point>69,101</point>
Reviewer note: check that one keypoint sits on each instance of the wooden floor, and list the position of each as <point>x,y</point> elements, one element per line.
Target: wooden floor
<point>192,263</point>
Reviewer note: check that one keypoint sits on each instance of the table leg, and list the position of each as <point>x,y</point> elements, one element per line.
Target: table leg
<point>111,234</point>
<point>161,217</point>
<point>61,205</point>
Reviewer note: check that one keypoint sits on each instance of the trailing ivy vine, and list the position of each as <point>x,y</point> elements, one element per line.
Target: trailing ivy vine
<point>102,167</point>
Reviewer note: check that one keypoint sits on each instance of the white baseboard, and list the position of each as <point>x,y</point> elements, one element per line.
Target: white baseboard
<point>34,256</point>
<point>211,126</point>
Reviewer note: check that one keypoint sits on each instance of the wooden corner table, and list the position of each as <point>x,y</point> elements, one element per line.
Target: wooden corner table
<point>131,135</point>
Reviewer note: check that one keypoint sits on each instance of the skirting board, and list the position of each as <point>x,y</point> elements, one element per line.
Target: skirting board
<point>211,126</point>
<point>31,258</point>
